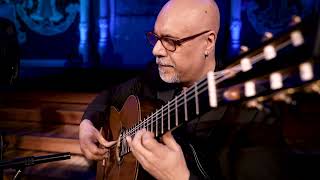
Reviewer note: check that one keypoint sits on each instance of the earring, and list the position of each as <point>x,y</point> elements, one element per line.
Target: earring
<point>206,54</point>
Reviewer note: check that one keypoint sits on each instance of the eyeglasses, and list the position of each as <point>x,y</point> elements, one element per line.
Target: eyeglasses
<point>169,43</point>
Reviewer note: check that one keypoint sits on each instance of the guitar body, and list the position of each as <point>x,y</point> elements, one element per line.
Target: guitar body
<point>126,167</point>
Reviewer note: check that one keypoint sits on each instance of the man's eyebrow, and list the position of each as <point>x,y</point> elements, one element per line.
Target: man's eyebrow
<point>166,35</point>
<point>169,36</point>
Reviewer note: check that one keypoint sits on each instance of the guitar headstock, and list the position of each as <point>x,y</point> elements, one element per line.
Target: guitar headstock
<point>283,65</point>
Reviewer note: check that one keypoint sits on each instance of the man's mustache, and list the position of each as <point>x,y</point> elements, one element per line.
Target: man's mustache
<point>163,63</point>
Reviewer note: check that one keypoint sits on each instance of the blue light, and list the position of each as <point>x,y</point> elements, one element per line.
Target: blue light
<point>235,24</point>
<point>83,29</point>
<point>235,29</point>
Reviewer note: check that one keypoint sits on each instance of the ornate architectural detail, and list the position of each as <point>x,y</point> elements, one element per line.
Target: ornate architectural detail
<point>274,15</point>
<point>46,17</point>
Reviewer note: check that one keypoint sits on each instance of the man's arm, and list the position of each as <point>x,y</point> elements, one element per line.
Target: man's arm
<point>98,109</point>
<point>91,121</point>
<point>96,115</point>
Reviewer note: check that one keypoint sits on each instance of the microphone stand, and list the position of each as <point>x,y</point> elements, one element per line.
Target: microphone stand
<point>20,163</point>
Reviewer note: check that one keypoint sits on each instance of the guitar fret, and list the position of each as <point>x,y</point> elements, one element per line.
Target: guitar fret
<point>124,141</point>
<point>122,146</point>
<point>127,147</point>
<point>151,123</point>
<point>147,123</point>
<point>168,115</point>
<point>162,120</point>
<point>144,124</point>
<point>176,110</point>
<point>156,123</point>
<point>185,106</point>
<point>196,97</point>
<point>212,89</point>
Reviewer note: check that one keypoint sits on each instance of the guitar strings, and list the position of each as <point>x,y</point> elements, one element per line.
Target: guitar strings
<point>165,122</point>
<point>147,121</point>
<point>221,77</point>
<point>122,139</point>
<point>132,131</point>
<point>223,73</point>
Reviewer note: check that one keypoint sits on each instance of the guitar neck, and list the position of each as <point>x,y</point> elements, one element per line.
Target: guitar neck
<point>196,100</point>
<point>181,109</point>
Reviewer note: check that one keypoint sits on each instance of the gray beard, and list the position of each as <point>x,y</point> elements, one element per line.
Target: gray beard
<point>167,79</point>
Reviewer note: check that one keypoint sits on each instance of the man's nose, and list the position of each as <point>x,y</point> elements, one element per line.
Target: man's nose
<point>159,50</point>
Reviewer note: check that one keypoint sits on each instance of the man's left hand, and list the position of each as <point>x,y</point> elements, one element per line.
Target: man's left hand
<point>163,161</point>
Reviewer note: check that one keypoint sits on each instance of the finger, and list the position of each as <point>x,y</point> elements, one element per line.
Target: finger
<point>95,150</point>
<point>142,160</point>
<point>169,140</point>
<point>104,142</point>
<point>137,146</point>
<point>92,156</point>
<point>150,143</point>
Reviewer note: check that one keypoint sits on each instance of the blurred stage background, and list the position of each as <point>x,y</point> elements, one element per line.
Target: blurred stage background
<point>60,53</point>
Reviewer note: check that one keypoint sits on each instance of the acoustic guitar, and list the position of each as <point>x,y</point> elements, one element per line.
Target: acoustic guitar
<point>281,66</point>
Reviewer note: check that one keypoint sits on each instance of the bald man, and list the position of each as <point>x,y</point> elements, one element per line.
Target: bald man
<point>184,38</point>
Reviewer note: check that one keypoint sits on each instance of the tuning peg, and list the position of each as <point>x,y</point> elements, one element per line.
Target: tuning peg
<point>291,91</point>
<point>255,104</point>
<point>295,20</point>
<point>232,94</point>
<point>249,89</point>
<point>267,36</point>
<point>244,49</point>
<point>284,97</point>
<point>276,81</point>
<point>230,72</point>
<point>245,64</point>
<point>269,52</point>
<point>296,38</point>
<point>314,87</point>
<point>306,71</point>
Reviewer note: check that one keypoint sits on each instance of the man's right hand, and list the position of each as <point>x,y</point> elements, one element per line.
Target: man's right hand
<point>89,137</point>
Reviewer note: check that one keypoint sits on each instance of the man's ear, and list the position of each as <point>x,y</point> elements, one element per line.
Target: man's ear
<point>211,41</point>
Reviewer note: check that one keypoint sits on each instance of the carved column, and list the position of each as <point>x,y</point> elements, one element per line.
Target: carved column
<point>84,32</point>
<point>235,25</point>
<point>103,31</point>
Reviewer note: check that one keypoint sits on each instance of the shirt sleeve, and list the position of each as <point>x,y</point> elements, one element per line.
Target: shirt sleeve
<point>98,110</point>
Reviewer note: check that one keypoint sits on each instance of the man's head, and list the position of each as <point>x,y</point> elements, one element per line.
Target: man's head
<point>190,60</point>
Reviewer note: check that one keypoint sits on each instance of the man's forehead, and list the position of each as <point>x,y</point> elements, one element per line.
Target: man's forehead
<point>184,17</point>
<point>172,25</point>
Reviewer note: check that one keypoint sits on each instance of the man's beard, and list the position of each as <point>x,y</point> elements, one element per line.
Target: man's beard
<point>169,78</point>
<point>164,76</point>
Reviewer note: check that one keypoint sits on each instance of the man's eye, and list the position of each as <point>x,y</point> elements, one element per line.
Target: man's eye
<point>168,40</point>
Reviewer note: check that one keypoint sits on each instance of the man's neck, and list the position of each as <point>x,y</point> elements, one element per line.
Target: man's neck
<point>210,66</point>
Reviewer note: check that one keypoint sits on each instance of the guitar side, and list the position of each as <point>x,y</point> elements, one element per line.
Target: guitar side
<point>126,167</point>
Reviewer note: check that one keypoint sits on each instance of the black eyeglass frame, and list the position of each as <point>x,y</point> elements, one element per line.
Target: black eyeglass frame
<point>176,42</point>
